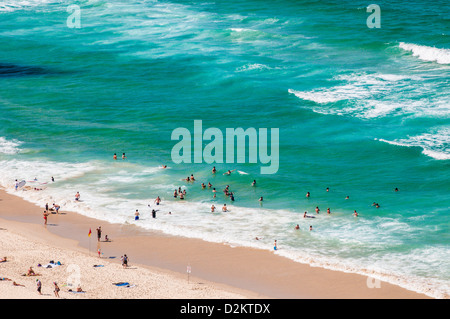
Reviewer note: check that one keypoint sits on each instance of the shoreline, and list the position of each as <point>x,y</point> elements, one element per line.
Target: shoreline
<point>229,272</point>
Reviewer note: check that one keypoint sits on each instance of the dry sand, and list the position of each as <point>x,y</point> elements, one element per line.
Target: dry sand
<point>158,264</point>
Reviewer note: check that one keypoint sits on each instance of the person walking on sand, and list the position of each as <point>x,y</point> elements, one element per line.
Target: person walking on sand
<point>39,286</point>
<point>99,233</point>
<point>275,245</point>
<point>45,217</point>
<point>125,261</point>
<point>56,291</point>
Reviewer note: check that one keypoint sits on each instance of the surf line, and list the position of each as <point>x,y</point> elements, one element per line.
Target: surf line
<point>213,152</point>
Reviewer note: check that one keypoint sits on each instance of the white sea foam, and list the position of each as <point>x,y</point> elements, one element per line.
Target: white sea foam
<point>356,86</point>
<point>243,30</point>
<point>13,5</point>
<point>435,145</point>
<point>426,53</point>
<point>378,95</point>
<point>254,66</point>
<point>9,147</point>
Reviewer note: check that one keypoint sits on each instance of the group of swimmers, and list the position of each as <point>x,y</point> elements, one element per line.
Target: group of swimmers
<point>123,156</point>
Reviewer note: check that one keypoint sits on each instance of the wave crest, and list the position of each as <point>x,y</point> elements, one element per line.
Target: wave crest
<point>425,53</point>
<point>435,145</point>
<point>9,147</point>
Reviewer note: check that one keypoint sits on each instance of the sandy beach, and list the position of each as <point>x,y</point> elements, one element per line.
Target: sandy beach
<point>158,264</point>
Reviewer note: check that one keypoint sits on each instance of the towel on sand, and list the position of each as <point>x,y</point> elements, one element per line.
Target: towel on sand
<point>123,284</point>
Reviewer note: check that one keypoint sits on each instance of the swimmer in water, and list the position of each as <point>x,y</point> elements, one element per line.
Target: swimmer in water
<point>328,211</point>
<point>317,210</point>
<point>123,156</point>
<point>254,183</point>
<point>213,208</point>
<point>308,194</point>
<point>224,208</point>
<point>355,214</point>
<point>115,156</point>
<point>260,199</point>
<point>214,170</point>
<point>306,216</point>
<point>297,227</point>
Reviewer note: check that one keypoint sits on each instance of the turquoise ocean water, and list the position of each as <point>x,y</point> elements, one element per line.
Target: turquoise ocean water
<point>359,110</point>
